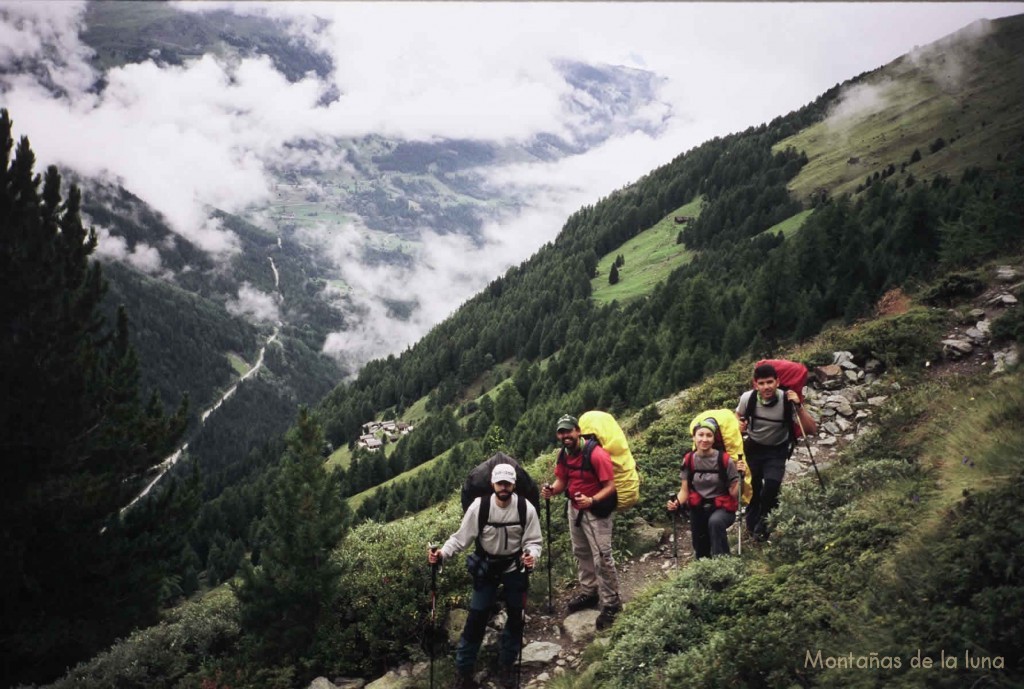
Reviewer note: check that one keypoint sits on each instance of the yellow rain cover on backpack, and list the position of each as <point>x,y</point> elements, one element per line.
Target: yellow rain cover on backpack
<point>613,440</point>
<point>729,430</point>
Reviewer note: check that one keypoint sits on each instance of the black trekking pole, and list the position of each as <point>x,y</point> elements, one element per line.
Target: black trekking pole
<point>547,516</point>
<point>522,626</point>
<point>808,443</point>
<point>433,614</point>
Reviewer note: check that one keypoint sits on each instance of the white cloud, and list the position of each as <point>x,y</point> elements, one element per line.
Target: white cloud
<point>209,134</point>
<point>254,304</point>
<point>143,257</point>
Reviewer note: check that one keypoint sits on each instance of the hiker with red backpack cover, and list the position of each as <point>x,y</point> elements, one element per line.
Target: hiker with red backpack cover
<point>710,490</point>
<point>590,486</point>
<point>770,416</point>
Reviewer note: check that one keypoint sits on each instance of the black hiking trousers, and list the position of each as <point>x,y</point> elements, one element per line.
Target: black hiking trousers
<point>767,464</point>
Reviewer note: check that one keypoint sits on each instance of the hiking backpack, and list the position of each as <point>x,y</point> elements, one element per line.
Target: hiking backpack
<point>601,428</point>
<point>693,498</point>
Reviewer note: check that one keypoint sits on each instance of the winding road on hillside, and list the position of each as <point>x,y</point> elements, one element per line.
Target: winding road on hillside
<point>163,467</point>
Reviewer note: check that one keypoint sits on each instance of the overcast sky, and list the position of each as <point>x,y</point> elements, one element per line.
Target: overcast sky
<point>187,138</point>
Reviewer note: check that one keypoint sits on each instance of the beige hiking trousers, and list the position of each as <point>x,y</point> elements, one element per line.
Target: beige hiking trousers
<point>592,546</point>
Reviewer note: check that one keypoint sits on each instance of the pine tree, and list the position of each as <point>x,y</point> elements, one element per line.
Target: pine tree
<point>613,276</point>
<point>75,441</point>
<point>284,599</point>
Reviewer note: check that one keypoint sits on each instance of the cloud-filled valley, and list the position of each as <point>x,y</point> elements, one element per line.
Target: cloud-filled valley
<point>620,88</point>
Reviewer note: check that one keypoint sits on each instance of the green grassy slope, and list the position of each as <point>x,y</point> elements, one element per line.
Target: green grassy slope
<point>650,257</point>
<point>960,89</point>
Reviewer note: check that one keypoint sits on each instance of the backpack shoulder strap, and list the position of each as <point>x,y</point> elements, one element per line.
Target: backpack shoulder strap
<point>521,504</point>
<point>588,450</point>
<point>751,408</point>
<point>690,465</point>
<point>482,516</point>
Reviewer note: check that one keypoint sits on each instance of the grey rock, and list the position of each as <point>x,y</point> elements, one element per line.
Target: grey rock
<point>1006,273</point>
<point>843,424</point>
<point>873,366</point>
<point>877,401</point>
<point>795,468</point>
<point>852,376</point>
<point>831,427</point>
<point>580,626</point>
<point>848,366</point>
<point>642,537</point>
<point>826,441</point>
<point>984,326</point>
<point>392,680</point>
<point>976,336</point>
<point>322,683</point>
<point>540,653</point>
<point>1004,359</point>
<point>840,357</point>
<point>956,349</point>
<point>976,313</point>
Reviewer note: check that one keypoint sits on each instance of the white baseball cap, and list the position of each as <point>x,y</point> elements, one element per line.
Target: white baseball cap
<point>503,472</point>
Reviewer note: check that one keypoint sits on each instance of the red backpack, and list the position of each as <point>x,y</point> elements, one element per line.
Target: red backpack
<point>694,499</point>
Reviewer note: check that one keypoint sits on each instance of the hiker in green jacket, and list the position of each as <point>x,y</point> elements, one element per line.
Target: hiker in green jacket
<point>506,550</point>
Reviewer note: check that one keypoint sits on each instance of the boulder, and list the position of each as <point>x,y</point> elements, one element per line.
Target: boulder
<point>581,626</point>
<point>540,653</point>
<point>642,537</point>
<point>1006,273</point>
<point>1004,359</point>
<point>392,680</point>
<point>956,349</point>
<point>827,374</point>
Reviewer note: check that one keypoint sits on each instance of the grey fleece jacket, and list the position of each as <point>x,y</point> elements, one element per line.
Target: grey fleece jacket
<point>505,539</point>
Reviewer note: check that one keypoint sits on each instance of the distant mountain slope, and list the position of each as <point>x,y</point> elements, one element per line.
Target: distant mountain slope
<point>956,102</point>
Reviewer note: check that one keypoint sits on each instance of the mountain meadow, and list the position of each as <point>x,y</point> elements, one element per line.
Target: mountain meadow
<point>879,220</point>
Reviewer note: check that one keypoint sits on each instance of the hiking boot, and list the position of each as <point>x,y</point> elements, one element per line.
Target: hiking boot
<point>465,681</point>
<point>607,616</point>
<point>581,601</point>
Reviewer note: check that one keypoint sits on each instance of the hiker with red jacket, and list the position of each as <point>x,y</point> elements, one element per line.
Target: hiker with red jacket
<point>710,489</point>
<point>766,417</point>
<point>591,490</point>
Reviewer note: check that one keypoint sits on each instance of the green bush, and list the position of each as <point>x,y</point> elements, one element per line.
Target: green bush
<point>954,287</point>
<point>908,339</point>
<point>177,652</point>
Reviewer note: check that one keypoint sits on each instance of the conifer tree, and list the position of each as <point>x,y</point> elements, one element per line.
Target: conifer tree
<point>75,440</point>
<point>284,598</point>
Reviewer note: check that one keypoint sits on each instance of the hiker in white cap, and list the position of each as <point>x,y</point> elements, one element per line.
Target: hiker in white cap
<point>508,539</point>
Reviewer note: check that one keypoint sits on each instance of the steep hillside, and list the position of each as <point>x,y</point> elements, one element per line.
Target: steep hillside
<point>760,268</point>
<point>954,102</point>
<point>918,525</point>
